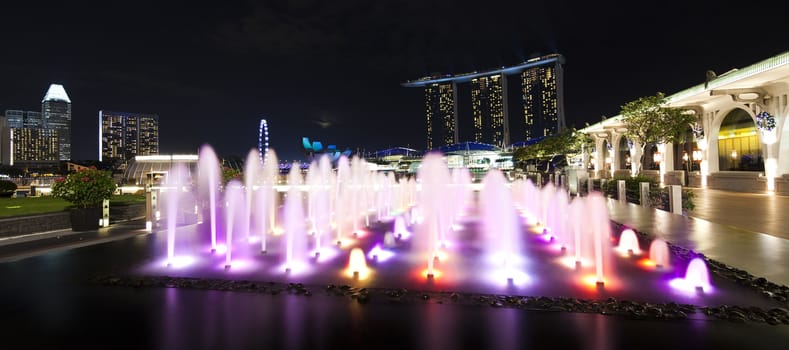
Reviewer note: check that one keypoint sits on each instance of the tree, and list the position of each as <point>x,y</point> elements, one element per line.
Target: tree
<point>566,141</point>
<point>648,120</point>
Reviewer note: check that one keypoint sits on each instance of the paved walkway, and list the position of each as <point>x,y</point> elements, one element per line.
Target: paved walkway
<point>747,231</point>
<point>754,212</point>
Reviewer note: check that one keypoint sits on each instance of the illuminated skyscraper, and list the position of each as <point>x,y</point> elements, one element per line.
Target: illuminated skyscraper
<point>487,109</point>
<point>23,119</point>
<point>56,115</point>
<point>23,139</point>
<point>542,100</point>
<point>491,108</point>
<point>441,114</point>
<point>122,135</point>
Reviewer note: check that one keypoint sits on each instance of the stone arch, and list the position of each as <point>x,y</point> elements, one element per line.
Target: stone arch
<point>742,148</point>
<point>623,153</point>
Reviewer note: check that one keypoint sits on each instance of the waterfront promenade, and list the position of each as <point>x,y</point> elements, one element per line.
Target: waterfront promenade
<point>744,230</point>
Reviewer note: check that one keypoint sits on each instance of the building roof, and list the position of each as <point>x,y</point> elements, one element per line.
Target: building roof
<point>468,146</point>
<point>771,70</point>
<point>464,77</point>
<point>56,92</point>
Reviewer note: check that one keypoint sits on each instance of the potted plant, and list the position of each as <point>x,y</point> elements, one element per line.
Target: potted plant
<point>7,188</point>
<point>85,189</point>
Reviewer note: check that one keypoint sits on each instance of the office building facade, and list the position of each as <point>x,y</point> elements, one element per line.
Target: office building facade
<point>123,135</point>
<point>440,114</point>
<point>25,140</point>
<point>56,115</point>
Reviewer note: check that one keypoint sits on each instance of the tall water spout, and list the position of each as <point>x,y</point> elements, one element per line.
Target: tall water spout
<point>176,180</point>
<point>208,174</point>
<point>500,222</point>
<point>295,228</point>
<point>270,181</point>
<point>251,167</point>
<point>234,204</point>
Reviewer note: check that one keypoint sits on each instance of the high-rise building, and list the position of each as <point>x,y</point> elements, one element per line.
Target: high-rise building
<point>23,139</point>
<point>487,109</point>
<point>56,115</point>
<point>541,100</point>
<point>23,119</point>
<point>34,145</point>
<point>542,103</point>
<point>123,135</point>
<point>440,114</point>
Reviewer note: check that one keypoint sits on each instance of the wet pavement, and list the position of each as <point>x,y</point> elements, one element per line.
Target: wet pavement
<point>722,236</point>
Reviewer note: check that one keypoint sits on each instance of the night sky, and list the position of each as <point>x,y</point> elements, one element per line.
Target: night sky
<point>331,70</point>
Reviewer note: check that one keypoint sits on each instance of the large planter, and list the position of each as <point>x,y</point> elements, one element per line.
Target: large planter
<point>85,219</point>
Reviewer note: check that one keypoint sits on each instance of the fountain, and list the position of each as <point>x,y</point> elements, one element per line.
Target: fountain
<point>432,177</point>
<point>659,253</point>
<point>493,247</point>
<point>628,243</point>
<point>500,224</point>
<point>176,180</point>
<point>251,166</point>
<point>400,230</point>
<point>697,277</point>
<point>234,200</point>
<point>357,264</point>
<point>270,181</point>
<point>208,179</point>
<point>600,225</point>
<point>294,225</point>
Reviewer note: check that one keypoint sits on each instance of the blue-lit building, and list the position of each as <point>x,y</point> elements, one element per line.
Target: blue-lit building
<point>315,149</point>
<point>496,117</point>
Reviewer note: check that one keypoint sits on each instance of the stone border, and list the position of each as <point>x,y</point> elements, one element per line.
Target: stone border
<point>631,309</point>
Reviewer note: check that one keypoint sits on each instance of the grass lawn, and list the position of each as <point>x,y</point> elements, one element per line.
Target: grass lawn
<point>48,204</point>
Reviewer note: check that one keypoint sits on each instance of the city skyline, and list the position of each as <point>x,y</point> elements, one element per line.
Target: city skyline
<point>333,72</point>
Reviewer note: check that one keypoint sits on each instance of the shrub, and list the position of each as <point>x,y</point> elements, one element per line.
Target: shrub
<point>7,188</point>
<point>85,188</point>
<point>658,197</point>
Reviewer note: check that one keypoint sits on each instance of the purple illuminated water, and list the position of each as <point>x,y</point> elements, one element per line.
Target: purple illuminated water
<point>461,230</point>
<point>234,210</point>
<point>294,224</point>
<point>500,224</point>
<point>208,180</point>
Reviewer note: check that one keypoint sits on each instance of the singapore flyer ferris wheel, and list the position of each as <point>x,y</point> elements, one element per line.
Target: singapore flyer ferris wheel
<point>263,141</point>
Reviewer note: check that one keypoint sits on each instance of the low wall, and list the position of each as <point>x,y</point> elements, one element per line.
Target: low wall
<point>739,181</point>
<point>24,225</point>
<point>17,226</point>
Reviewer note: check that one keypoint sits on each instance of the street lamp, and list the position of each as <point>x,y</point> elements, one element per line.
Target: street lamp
<point>734,159</point>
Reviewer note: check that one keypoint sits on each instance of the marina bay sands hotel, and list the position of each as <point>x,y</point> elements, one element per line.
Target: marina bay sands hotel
<point>500,115</point>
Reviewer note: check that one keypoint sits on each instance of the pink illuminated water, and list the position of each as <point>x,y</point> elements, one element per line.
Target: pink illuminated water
<point>251,169</point>
<point>208,180</point>
<point>697,278</point>
<point>628,242</point>
<point>659,253</point>
<point>697,274</point>
<point>175,182</point>
<point>433,176</point>
<point>234,208</point>
<point>500,223</point>
<point>270,180</point>
<point>294,223</point>
<point>400,230</point>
